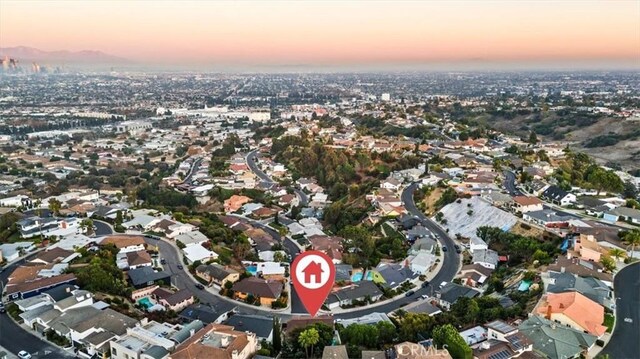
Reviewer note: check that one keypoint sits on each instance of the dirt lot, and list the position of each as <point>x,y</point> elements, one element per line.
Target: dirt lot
<point>520,230</point>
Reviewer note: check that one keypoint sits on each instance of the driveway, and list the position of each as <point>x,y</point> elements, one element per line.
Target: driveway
<point>625,340</point>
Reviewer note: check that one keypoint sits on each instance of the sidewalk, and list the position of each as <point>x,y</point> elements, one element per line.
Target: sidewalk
<point>7,354</point>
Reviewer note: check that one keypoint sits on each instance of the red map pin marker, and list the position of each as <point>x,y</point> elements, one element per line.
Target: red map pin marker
<point>313,275</point>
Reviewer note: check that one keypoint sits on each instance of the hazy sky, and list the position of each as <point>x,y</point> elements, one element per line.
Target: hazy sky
<point>331,32</point>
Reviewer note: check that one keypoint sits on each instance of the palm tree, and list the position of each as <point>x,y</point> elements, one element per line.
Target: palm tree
<point>632,239</point>
<point>617,253</point>
<point>309,338</point>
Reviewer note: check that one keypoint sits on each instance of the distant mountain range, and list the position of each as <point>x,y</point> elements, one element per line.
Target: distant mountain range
<point>29,54</point>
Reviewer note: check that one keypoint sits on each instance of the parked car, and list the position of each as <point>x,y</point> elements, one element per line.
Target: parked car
<point>2,309</point>
<point>163,261</point>
<point>199,286</point>
<point>23,354</point>
<point>458,249</point>
<point>444,248</point>
<point>424,296</point>
<point>180,267</point>
<point>410,293</point>
<point>425,284</point>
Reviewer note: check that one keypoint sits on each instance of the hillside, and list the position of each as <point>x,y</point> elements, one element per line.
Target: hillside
<point>608,140</point>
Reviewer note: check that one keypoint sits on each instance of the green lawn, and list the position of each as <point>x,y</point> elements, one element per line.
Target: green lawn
<point>609,321</point>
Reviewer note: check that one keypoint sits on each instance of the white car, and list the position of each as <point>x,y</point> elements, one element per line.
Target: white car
<point>424,296</point>
<point>24,355</point>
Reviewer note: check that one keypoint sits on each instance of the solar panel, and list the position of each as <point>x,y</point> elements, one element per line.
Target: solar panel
<point>503,354</point>
<point>515,340</point>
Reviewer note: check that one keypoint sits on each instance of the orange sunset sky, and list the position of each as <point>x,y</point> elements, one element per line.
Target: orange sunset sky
<point>331,32</point>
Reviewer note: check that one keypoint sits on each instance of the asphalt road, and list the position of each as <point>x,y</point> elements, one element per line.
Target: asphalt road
<point>446,273</point>
<point>102,228</point>
<point>625,340</point>
<point>14,338</point>
<point>510,183</point>
<point>253,166</point>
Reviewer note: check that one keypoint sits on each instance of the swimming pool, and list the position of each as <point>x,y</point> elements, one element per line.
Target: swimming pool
<point>145,302</point>
<point>524,286</point>
<point>356,277</point>
<point>252,269</point>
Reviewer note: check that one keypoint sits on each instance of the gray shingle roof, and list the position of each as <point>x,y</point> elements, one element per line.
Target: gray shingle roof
<point>555,341</point>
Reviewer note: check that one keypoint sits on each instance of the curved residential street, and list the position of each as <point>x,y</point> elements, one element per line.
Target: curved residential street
<point>15,338</point>
<point>253,165</point>
<point>182,279</point>
<point>625,339</point>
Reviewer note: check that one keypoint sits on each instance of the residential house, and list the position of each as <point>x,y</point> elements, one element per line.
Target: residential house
<point>331,245</point>
<point>573,310</point>
<point>503,341</point>
<point>261,326</point>
<point>421,262</point>
<point>271,270</point>
<point>83,323</point>
<point>358,292</point>
<point>556,195</point>
<point>217,274</point>
<point>197,252</point>
<point>173,301</point>
<point>571,264</point>
<point>335,352</point>
<point>536,187</point>
<point>477,244</point>
<point>588,248</point>
<point>193,237</point>
<point>556,341</point>
<point>207,313</point>
<point>52,256</point>
<point>474,275</point>
<point>486,257</point>
<point>26,281</point>
<point>146,276</point>
<point>138,259</point>
<point>590,287</point>
<point>549,218</point>
<point>391,184</point>
<point>451,292</point>
<point>622,214</point>
<point>394,274</point>
<point>524,204</point>
<point>267,291</point>
<point>149,339</point>
<point>217,341</point>
<point>421,306</point>
<point>125,243</point>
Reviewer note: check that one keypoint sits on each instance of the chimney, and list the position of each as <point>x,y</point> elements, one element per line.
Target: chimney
<point>553,325</point>
<point>562,269</point>
<point>192,332</point>
<point>224,342</point>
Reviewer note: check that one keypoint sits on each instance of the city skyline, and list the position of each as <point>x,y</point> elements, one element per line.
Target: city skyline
<point>355,33</point>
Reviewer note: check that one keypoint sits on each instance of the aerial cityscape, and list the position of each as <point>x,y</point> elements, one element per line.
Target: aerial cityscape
<point>336,180</point>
